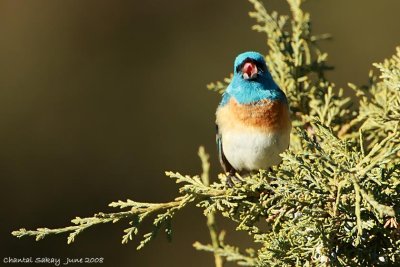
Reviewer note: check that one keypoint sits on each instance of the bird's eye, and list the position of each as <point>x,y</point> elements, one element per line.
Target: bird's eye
<point>260,66</point>
<point>239,68</point>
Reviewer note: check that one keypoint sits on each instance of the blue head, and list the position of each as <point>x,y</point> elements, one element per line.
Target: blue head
<point>252,81</point>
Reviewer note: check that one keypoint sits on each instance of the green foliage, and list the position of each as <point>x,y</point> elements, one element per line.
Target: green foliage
<point>334,200</point>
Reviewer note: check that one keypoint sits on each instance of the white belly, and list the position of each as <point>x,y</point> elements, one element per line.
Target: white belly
<point>252,150</point>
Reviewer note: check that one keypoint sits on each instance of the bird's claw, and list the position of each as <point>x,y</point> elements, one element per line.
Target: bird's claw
<point>231,180</point>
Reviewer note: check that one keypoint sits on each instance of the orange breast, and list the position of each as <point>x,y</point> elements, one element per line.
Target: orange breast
<point>266,115</point>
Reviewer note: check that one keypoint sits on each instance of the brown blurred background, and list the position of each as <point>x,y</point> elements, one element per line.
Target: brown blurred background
<point>99,98</point>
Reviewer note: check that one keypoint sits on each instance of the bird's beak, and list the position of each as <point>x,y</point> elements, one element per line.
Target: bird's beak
<point>249,70</point>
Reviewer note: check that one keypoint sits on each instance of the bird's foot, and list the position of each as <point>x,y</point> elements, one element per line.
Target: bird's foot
<point>232,179</point>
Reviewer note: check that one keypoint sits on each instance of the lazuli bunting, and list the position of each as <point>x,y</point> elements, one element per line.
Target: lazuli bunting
<point>253,120</point>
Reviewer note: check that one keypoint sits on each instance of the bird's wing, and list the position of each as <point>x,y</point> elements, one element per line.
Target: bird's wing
<point>222,159</point>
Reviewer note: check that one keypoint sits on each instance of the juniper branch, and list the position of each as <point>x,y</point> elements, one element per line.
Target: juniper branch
<point>138,209</point>
<point>211,223</point>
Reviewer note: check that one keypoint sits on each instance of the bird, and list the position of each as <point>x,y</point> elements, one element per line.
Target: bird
<point>252,120</point>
